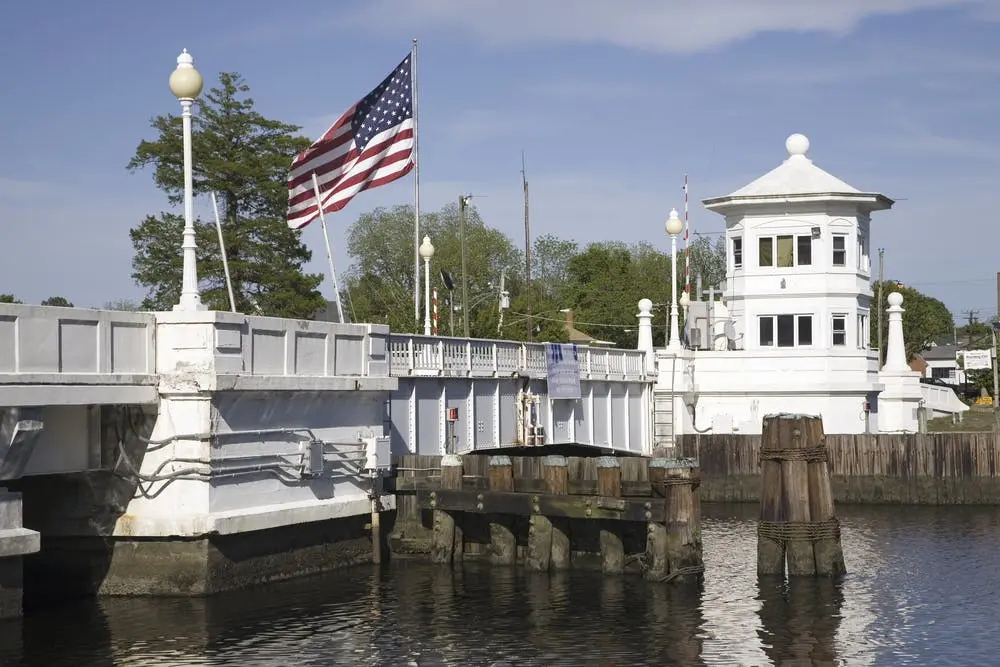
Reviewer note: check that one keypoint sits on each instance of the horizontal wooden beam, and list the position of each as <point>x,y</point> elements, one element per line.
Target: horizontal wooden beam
<point>525,504</point>
<point>579,487</point>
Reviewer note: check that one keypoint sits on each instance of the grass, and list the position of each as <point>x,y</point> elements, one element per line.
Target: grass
<point>978,419</point>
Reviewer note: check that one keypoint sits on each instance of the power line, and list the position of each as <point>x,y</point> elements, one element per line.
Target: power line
<point>586,324</point>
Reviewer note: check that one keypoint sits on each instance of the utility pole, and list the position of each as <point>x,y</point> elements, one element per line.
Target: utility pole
<point>527,251</point>
<point>970,318</point>
<point>880,307</point>
<point>463,200</point>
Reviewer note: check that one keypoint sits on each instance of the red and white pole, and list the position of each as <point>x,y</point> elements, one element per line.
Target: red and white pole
<point>687,243</point>
<point>434,312</point>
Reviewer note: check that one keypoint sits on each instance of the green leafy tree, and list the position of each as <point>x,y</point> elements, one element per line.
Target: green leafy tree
<point>380,279</point>
<point>550,258</point>
<point>606,282</point>
<point>708,259</point>
<point>57,301</point>
<point>925,319</point>
<point>9,298</point>
<point>244,158</point>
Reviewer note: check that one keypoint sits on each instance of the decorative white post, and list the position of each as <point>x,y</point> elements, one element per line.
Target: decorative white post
<point>645,343</point>
<point>426,252</point>
<point>895,353</point>
<point>185,84</point>
<point>899,403</point>
<point>674,225</point>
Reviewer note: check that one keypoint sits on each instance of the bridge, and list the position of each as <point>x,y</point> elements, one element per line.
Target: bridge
<point>460,395</point>
<point>156,434</point>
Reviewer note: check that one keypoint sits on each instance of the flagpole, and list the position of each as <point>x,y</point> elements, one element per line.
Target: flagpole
<point>329,253</point>
<point>416,191</point>
<point>222,249</point>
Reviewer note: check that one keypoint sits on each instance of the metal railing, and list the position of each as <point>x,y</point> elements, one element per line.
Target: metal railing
<point>415,355</point>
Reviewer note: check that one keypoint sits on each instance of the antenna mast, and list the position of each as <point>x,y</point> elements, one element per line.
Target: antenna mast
<point>527,250</point>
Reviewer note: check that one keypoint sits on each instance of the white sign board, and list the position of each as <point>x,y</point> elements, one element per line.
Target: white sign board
<point>562,367</point>
<point>976,360</point>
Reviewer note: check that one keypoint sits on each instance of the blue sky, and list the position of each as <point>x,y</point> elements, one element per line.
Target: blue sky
<point>612,102</point>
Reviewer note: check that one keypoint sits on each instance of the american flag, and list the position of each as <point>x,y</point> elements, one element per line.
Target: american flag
<point>370,145</point>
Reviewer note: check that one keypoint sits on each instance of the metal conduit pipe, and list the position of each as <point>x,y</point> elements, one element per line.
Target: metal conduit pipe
<point>195,477</point>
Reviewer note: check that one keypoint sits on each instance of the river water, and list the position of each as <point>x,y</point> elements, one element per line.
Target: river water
<point>923,589</point>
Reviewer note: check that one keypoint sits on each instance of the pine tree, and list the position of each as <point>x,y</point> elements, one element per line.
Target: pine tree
<point>244,158</point>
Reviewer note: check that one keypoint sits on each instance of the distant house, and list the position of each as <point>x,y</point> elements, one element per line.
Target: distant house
<point>939,361</point>
<point>578,337</point>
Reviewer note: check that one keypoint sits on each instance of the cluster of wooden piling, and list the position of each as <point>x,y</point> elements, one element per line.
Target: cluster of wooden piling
<point>798,522</point>
<point>625,514</point>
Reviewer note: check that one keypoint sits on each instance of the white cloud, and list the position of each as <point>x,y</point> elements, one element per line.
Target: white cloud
<point>665,26</point>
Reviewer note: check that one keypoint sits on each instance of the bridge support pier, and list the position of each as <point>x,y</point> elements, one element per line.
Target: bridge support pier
<point>15,542</point>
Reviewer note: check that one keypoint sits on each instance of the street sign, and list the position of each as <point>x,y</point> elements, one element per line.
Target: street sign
<point>975,360</point>
<point>562,368</point>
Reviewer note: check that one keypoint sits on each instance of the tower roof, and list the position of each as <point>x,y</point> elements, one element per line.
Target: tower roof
<point>798,179</point>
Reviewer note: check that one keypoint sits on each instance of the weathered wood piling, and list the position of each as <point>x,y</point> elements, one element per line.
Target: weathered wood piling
<point>551,513</point>
<point>798,523</point>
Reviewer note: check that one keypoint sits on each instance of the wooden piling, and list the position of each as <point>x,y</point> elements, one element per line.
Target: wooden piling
<point>795,480</point>
<point>446,544</point>
<point>683,546</point>
<point>609,485</point>
<point>797,511</point>
<point>555,470</point>
<point>771,549</point>
<point>503,545</point>
<point>656,533</point>
<point>827,552</point>
<point>540,528</point>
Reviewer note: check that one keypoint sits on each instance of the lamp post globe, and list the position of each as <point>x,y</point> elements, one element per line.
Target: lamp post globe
<point>185,84</point>
<point>185,81</point>
<point>674,225</point>
<point>426,251</point>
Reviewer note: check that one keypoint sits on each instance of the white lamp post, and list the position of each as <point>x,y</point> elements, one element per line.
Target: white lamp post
<point>185,84</point>
<point>426,252</point>
<point>674,225</point>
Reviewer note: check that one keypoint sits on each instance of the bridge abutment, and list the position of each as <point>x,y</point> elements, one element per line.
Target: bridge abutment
<point>15,542</point>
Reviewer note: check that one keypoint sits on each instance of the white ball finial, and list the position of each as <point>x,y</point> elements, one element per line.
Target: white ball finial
<point>645,306</point>
<point>185,82</point>
<point>797,144</point>
<point>895,299</point>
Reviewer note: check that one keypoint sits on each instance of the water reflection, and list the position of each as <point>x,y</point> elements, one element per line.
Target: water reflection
<point>799,620</point>
<point>921,589</point>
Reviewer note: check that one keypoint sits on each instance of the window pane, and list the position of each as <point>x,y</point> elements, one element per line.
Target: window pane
<point>805,250</point>
<point>785,257</point>
<point>766,331</point>
<point>840,251</point>
<point>786,331</point>
<point>737,252</point>
<point>840,330</point>
<point>805,330</point>
<point>765,252</point>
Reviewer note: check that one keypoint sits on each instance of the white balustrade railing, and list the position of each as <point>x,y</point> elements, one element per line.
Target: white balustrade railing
<point>415,355</point>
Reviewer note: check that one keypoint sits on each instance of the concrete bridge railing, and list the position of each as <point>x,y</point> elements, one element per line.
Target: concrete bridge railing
<point>76,356</point>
